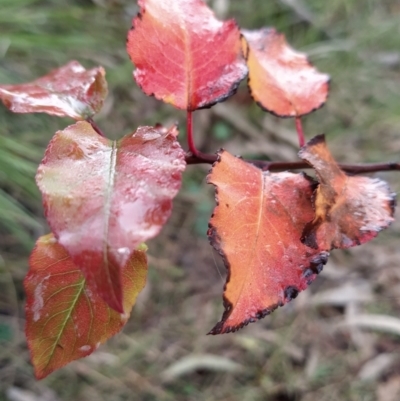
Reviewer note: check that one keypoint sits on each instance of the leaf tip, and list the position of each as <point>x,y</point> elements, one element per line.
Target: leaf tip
<point>318,139</point>
<point>222,328</point>
<point>115,302</point>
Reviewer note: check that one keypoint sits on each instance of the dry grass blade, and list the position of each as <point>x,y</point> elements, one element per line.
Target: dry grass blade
<point>193,363</point>
<point>353,291</point>
<point>377,367</point>
<point>290,349</point>
<point>17,394</point>
<point>387,324</point>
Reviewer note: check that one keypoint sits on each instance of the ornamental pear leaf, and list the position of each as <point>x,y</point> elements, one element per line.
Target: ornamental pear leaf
<point>70,90</point>
<point>65,317</point>
<point>282,80</point>
<point>349,211</point>
<point>104,198</point>
<point>184,55</point>
<point>256,227</point>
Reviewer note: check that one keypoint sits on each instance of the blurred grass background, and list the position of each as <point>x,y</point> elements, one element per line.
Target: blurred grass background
<point>340,340</point>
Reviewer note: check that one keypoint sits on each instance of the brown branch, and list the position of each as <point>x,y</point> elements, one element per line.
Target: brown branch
<point>279,166</point>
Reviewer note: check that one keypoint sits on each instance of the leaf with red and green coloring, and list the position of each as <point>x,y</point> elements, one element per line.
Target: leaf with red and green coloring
<point>65,318</point>
<point>183,55</point>
<point>349,211</point>
<point>256,228</point>
<point>103,198</point>
<point>282,80</point>
<point>70,91</point>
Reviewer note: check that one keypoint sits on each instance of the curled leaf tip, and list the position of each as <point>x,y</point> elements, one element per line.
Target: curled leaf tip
<point>349,210</point>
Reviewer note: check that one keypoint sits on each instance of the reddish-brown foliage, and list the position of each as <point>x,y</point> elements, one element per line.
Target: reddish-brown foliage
<point>256,227</point>
<point>349,211</point>
<point>70,91</point>
<point>173,46</point>
<point>66,319</point>
<point>103,198</point>
<point>281,79</point>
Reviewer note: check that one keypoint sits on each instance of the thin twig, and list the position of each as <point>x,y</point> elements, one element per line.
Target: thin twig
<point>279,166</point>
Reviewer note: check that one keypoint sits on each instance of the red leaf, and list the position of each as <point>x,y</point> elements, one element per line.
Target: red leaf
<point>65,319</point>
<point>349,210</point>
<point>103,198</point>
<point>184,55</point>
<point>67,91</point>
<point>282,80</point>
<point>256,227</point>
